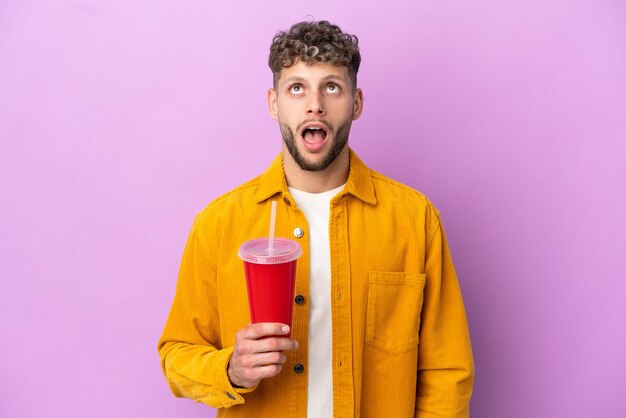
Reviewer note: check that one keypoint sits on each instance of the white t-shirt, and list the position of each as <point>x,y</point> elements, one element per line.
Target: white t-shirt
<point>316,208</point>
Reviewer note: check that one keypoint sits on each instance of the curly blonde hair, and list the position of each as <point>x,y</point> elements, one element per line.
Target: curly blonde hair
<point>312,42</point>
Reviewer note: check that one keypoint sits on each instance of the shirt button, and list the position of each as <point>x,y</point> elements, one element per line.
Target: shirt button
<point>298,368</point>
<point>299,299</point>
<point>287,202</point>
<point>231,396</point>
<point>298,232</point>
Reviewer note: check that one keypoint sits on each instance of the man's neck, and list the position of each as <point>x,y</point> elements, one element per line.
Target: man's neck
<point>330,178</point>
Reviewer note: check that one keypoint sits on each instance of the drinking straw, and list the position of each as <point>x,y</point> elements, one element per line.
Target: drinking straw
<point>270,243</point>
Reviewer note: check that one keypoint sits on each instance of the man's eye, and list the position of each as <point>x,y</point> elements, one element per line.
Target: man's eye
<point>332,88</point>
<point>296,89</point>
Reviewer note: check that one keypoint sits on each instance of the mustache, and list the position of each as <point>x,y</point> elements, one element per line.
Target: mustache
<point>320,121</point>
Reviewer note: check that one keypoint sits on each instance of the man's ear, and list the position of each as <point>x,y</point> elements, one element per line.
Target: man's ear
<point>358,104</point>
<point>272,103</point>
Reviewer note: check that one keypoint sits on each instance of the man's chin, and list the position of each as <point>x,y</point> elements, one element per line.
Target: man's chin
<point>317,161</point>
<point>312,164</point>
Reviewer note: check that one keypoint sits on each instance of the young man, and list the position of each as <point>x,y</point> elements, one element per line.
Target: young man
<point>379,327</point>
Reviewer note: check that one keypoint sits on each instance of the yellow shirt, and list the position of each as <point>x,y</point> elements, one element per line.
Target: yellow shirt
<point>401,345</point>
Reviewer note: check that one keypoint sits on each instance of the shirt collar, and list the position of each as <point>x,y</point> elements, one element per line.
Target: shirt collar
<point>359,183</point>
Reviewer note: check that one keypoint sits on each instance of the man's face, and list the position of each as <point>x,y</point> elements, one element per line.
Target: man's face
<point>315,106</point>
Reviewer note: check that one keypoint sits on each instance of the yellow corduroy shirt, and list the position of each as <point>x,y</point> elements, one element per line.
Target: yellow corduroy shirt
<point>401,345</point>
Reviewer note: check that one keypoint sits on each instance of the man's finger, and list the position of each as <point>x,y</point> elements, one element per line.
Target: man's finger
<point>274,344</point>
<point>264,359</point>
<point>264,329</point>
<point>270,370</point>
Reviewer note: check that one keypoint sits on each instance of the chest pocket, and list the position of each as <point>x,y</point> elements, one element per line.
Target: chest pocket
<point>394,305</point>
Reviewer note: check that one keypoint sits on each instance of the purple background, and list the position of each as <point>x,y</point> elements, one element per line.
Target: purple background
<point>119,120</point>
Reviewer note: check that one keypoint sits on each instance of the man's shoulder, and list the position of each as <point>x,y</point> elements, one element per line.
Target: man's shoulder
<point>393,191</point>
<point>236,199</point>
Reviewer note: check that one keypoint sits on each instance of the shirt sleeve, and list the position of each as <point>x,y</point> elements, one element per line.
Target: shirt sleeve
<point>192,357</point>
<point>446,366</point>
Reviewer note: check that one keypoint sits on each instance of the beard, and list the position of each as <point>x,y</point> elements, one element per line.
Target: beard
<point>339,143</point>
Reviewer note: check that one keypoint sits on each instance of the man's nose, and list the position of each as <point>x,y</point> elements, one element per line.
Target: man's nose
<point>316,104</point>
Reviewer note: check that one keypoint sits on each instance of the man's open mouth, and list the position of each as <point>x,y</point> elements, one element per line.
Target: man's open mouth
<point>314,134</point>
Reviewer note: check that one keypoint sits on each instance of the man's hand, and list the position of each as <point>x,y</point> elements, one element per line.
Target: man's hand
<point>254,357</point>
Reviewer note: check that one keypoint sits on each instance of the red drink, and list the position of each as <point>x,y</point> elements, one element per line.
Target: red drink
<point>270,279</point>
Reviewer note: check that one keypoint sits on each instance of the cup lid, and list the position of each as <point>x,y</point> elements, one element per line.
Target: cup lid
<point>256,251</point>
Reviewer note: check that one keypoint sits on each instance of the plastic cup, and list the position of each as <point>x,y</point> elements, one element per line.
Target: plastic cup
<point>270,279</point>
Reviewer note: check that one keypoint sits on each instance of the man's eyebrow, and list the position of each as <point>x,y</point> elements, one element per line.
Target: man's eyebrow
<point>334,77</point>
<point>293,78</point>
<point>330,77</point>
